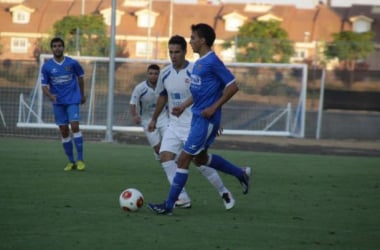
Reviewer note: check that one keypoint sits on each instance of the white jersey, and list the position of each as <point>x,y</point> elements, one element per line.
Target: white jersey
<point>176,85</point>
<point>145,99</point>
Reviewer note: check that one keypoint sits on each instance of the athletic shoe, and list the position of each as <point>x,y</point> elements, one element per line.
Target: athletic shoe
<point>182,203</point>
<point>244,181</point>
<point>228,200</point>
<point>160,208</point>
<point>69,166</point>
<point>80,165</point>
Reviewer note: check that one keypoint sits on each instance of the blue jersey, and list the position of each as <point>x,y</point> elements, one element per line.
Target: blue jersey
<point>208,80</point>
<point>61,77</point>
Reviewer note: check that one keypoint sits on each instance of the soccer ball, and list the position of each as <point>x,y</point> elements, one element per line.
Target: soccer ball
<point>131,200</point>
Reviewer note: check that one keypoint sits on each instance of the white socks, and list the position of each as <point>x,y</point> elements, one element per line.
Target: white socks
<point>214,178</point>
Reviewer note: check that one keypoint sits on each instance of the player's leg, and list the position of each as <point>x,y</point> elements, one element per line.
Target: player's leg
<point>179,182</point>
<point>61,119</point>
<point>214,178</point>
<point>74,118</point>
<point>242,174</point>
<point>207,130</point>
<point>154,140</point>
<point>180,178</point>
<point>170,146</point>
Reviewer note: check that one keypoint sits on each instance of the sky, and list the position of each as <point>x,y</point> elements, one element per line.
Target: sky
<point>300,3</point>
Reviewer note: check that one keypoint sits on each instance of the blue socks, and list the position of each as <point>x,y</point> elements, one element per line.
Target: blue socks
<point>219,163</point>
<point>179,182</point>
<point>68,147</point>
<point>78,140</point>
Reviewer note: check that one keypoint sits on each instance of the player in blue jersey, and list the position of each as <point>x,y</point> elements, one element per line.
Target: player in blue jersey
<point>62,82</point>
<point>212,85</point>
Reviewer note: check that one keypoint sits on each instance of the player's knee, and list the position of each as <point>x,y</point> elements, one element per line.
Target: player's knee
<point>166,156</point>
<point>200,160</point>
<point>74,126</point>
<point>65,132</point>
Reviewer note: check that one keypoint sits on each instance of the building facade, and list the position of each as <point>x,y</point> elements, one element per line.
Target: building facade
<point>144,27</point>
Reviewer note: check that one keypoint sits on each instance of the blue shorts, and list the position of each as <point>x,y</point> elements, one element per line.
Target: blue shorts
<point>202,135</point>
<point>64,114</point>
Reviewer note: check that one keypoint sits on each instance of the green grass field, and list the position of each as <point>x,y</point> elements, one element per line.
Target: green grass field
<point>295,202</point>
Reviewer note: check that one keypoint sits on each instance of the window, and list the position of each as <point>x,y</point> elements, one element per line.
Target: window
<point>146,18</point>
<point>21,17</point>
<point>107,14</point>
<point>361,24</point>
<point>144,49</point>
<point>233,21</point>
<point>21,14</point>
<point>19,45</point>
<point>300,54</point>
<point>233,24</point>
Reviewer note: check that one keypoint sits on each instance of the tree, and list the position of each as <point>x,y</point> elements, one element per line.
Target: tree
<point>349,47</point>
<point>83,35</point>
<point>260,41</point>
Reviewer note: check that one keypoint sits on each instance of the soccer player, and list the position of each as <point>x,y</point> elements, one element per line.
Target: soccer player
<point>212,85</point>
<point>62,82</point>
<point>173,87</point>
<point>142,106</point>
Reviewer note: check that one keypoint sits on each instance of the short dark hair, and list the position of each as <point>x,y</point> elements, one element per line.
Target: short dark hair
<point>154,67</point>
<point>204,31</point>
<point>180,40</point>
<point>56,40</point>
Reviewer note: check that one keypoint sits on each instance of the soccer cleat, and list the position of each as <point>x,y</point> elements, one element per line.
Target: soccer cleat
<point>69,166</point>
<point>160,208</point>
<point>244,180</point>
<point>228,200</point>
<point>182,203</point>
<point>80,165</point>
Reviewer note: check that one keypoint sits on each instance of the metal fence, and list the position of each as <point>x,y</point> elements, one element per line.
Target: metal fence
<point>19,77</point>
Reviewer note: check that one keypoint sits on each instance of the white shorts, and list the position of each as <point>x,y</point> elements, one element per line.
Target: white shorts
<point>174,139</point>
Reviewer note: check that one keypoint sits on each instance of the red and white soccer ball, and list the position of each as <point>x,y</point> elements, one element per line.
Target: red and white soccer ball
<point>131,200</point>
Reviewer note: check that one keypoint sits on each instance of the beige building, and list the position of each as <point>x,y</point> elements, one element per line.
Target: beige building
<point>143,27</point>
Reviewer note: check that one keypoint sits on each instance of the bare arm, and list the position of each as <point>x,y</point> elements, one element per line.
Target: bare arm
<point>132,110</point>
<point>46,91</point>
<point>81,87</point>
<point>161,102</point>
<point>228,93</point>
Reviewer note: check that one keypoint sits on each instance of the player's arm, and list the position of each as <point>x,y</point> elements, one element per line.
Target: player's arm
<point>228,93</point>
<point>81,87</point>
<point>161,102</point>
<point>79,72</point>
<point>46,91</point>
<point>132,110</point>
<point>177,111</point>
<point>45,85</point>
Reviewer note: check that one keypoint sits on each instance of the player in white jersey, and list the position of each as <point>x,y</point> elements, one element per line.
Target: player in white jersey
<point>173,87</point>
<point>142,105</point>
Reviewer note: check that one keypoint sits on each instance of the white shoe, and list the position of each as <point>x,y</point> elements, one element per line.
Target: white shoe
<point>228,200</point>
<point>182,203</point>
